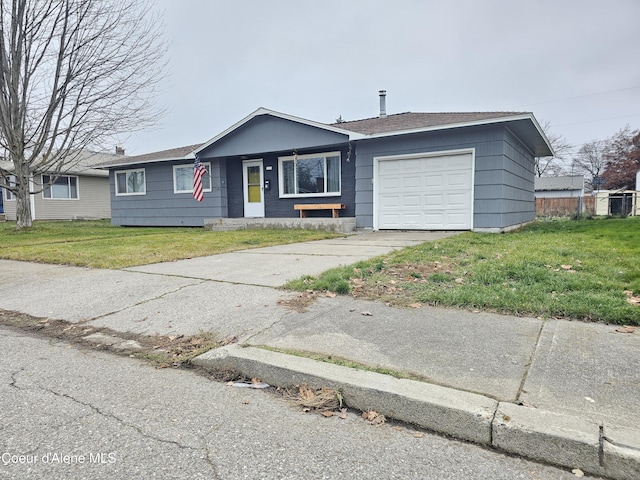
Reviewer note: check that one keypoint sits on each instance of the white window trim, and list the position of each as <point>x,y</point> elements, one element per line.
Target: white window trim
<point>61,176</point>
<point>311,155</point>
<point>207,165</point>
<point>128,194</point>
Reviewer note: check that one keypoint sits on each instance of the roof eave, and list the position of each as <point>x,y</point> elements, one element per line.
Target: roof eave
<point>472,123</point>
<point>142,162</point>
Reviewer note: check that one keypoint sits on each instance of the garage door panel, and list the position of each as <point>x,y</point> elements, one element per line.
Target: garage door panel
<point>433,180</point>
<point>412,182</point>
<point>460,200</point>
<point>412,166</point>
<point>389,202</point>
<point>458,179</point>
<point>433,200</point>
<point>411,201</point>
<point>411,221</point>
<point>431,192</point>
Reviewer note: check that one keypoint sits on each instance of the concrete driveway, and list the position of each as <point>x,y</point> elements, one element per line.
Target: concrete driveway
<point>274,266</point>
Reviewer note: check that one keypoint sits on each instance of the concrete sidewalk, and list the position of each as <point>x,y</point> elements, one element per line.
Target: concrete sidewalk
<point>556,391</point>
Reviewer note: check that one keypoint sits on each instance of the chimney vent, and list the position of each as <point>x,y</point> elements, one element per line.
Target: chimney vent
<point>383,103</point>
<point>119,150</point>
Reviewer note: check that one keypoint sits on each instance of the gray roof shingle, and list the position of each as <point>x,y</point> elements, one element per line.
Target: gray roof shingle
<point>408,121</point>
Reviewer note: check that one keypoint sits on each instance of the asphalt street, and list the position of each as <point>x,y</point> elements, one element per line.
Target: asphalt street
<point>73,412</point>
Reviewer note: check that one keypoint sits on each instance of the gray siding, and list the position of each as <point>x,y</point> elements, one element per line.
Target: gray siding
<point>503,186</point>
<point>160,206</point>
<point>276,207</point>
<point>266,133</point>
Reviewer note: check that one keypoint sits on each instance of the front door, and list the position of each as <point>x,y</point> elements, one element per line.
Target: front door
<point>253,188</point>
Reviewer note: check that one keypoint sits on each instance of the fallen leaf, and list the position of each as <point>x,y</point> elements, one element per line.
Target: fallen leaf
<point>625,329</point>
<point>367,314</point>
<point>327,413</point>
<point>331,294</point>
<point>343,413</point>
<point>566,267</point>
<point>577,472</point>
<point>416,305</point>
<point>631,299</point>
<point>374,417</point>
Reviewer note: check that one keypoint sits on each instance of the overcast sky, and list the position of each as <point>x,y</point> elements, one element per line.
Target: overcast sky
<point>573,63</point>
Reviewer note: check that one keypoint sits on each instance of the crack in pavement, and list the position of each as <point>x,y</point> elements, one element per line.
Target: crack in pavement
<point>142,302</point>
<point>527,367</point>
<point>14,379</point>
<point>98,411</point>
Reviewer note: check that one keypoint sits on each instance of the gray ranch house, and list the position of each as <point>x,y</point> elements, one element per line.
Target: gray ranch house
<point>408,171</point>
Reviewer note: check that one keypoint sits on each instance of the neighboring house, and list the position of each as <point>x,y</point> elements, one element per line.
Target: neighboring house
<point>561,196</point>
<point>433,171</point>
<point>569,186</point>
<point>79,192</point>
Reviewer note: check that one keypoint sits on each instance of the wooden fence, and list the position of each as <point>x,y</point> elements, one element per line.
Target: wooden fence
<point>565,207</point>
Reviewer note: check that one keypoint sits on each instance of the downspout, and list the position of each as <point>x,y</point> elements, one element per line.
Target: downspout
<point>32,198</point>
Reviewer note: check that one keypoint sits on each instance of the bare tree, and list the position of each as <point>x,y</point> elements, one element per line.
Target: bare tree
<point>73,73</point>
<point>591,160</point>
<point>623,159</point>
<point>555,165</point>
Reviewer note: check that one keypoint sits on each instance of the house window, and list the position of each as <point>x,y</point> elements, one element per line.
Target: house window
<point>183,178</point>
<point>310,175</point>
<point>12,183</point>
<point>130,182</point>
<point>63,188</point>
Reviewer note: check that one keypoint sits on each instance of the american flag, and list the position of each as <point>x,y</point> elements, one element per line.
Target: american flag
<point>198,172</point>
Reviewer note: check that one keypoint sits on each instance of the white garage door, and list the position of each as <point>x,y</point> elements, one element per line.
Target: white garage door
<point>425,192</point>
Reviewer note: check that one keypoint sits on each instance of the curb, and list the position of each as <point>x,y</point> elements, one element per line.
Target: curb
<point>539,435</point>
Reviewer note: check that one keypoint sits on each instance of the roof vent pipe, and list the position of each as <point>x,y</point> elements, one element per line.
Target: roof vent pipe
<point>383,103</point>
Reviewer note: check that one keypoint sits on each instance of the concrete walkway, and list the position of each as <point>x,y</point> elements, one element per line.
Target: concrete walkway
<point>556,391</point>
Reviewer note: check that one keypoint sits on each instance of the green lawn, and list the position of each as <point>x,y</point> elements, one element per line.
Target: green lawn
<point>584,270</point>
<point>100,245</point>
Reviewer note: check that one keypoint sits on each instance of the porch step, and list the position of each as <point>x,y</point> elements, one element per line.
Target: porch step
<point>341,225</point>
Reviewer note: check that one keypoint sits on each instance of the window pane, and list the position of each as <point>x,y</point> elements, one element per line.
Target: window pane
<point>73,187</point>
<point>310,174</point>
<point>254,193</point>
<point>47,191</point>
<point>184,179</point>
<point>288,178</point>
<point>121,182</point>
<point>135,182</point>
<point>206,180</point>
<point>253,175</point>
<point>333,174</point>
<point>59,189</point>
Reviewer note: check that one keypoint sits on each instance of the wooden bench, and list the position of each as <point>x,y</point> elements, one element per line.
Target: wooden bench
<point>334,207</point>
